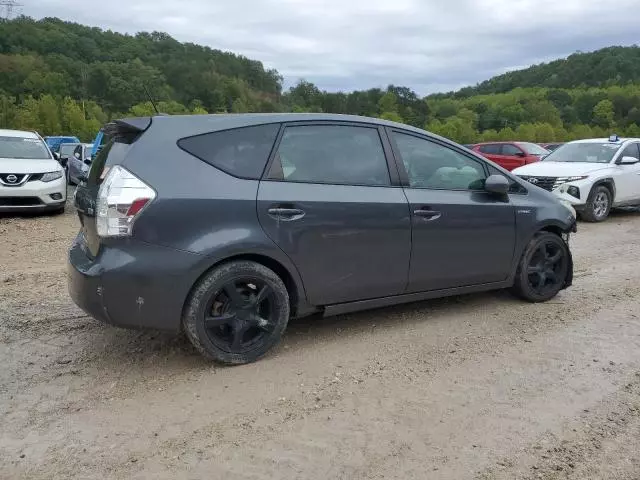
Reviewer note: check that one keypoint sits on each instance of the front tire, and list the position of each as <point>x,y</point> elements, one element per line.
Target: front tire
<point>543,268</point>
<point>598,204</point>
<point>237,312</point>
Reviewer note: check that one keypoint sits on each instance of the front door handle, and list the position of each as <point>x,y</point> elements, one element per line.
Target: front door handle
<point>286,214</point>
<point>427,214</point>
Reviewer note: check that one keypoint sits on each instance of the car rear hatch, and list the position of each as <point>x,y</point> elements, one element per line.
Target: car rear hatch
<point>121,135</point>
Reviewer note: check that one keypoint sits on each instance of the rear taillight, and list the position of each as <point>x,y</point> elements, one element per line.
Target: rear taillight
<point>121,199</point>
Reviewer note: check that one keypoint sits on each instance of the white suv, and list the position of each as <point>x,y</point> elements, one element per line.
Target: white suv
<point>30,176</point>
<point>593,175</point>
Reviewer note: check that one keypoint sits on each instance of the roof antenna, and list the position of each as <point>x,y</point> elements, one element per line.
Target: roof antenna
<point>146,90</point>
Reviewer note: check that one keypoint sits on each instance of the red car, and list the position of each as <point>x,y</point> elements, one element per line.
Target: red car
<point>511,155</point>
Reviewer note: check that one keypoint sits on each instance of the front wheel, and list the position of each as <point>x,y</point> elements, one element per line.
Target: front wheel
<point>543,269</point>
<point>598,205</point>
<point>237,312</point>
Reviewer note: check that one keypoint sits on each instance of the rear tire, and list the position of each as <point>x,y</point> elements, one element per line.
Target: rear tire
<point>598,204</point>
<point>237,312</point>
<point>543,268</point>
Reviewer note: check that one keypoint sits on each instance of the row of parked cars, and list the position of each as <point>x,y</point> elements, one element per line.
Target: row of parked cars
<point>593,175</point>
<point>226,226</point>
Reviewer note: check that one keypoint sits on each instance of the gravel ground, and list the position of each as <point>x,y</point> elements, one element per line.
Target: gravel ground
<point>481,386</point>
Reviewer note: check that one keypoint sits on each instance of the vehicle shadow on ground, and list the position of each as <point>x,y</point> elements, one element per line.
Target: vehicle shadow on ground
<point>152,349</point>
<point>626,212</point>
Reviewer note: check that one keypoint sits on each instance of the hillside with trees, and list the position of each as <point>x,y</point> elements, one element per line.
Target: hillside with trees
<point>59,77</point>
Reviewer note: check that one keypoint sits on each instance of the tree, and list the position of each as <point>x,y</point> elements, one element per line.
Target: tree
<point>603,114</point>
<point>73,120</point>
<point>49,115</point>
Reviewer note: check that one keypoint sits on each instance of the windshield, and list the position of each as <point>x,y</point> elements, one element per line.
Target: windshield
<point>26,148</point>
<point>533,149</point>
<point>584,152</point>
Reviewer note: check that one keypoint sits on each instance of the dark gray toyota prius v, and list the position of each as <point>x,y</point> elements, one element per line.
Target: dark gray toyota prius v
<point>226,226</point>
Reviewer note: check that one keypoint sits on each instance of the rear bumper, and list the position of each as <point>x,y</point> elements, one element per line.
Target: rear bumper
<point>132,284</point>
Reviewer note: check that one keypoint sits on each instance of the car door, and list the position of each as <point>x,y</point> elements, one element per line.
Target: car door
<point>512,156</point>
<point>627,177</point>
<point>331,203</point>
<point>462,235</point>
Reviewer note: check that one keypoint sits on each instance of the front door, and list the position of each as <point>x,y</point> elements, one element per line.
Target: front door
<point>328,203</point>
<point>462,235</point>
<point>627,178</point>
<point>511,156</point>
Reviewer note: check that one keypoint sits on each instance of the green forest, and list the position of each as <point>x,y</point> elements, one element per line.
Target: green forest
<point>58,77</point>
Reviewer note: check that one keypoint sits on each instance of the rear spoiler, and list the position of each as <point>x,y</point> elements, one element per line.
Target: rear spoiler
<point>127,126</point>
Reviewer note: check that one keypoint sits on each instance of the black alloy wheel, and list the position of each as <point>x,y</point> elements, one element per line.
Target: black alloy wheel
<point>543,269</point>
<point>547,268</point>
<point>237,312</point>
<point>240,314</point>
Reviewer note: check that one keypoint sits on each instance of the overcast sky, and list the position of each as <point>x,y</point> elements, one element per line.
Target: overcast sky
<point>428,45</point>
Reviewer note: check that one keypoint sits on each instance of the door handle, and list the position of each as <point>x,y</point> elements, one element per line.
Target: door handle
<point>427,214</point>
<point>286,214</point>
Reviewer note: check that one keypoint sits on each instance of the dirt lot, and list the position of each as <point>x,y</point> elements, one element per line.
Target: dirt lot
<point>481,386</point>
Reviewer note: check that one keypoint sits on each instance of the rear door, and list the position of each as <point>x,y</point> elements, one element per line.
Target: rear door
<point>331,203</point>
<point>462,235</point>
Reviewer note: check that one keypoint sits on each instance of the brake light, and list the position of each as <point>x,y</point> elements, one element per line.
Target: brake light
<point>121,198</point>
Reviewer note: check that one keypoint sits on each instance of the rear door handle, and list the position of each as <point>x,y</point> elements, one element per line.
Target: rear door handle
<point>427,214</point>
<point>286,214</point>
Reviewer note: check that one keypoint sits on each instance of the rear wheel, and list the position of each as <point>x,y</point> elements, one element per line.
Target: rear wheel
<point>543,269</point>
<point>237,312</point>
<point>598,204</point>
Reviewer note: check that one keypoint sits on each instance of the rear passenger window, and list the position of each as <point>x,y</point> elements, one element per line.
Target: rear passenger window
<point>241,152</point>
<point>491,149</point>
<point>508,149</point>
<point>334,154</point>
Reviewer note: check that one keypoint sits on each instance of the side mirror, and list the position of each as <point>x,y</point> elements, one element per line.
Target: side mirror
<point>521,154</point>
<point>627,161</point>
<point>56,155</point>
<point>87,161</point>
<point>77,155</point>
<point>497,184</point>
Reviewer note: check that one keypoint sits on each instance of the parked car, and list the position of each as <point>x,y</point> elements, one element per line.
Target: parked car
<point>228,225</point>
<point>593,175</point>
<point>511,155</point>
<point>551,146</point>
<point>79,163</point>
<point>30,176</point>
<point>54,142</point>
<point>64,153</point>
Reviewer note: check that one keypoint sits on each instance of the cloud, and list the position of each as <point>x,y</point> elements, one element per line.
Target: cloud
<point>355,44</point>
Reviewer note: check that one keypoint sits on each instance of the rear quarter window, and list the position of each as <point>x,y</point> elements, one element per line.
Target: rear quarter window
<point>241,152</point>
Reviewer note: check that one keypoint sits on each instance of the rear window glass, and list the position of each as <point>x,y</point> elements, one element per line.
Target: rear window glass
<point>112,153</point>
<point>533,149</point>
<point>241,152</point>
